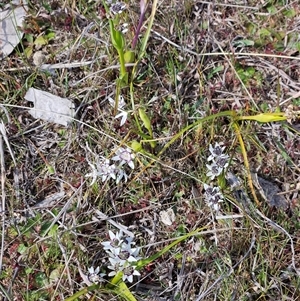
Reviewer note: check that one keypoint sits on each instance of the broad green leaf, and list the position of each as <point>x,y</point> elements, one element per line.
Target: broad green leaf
<point>49,36</point>
<point>122,290</point>
<point>136,146</point>
<point>28,52</point>
<point>129,56</point>
<point>117,37</point>
<point>40,41</point>
<point>146,121</point>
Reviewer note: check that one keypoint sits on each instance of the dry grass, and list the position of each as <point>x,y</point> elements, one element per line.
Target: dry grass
<point>202,59</point>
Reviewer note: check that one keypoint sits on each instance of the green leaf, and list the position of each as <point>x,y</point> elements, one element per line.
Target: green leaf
<point>51,169</point>
<point>129,56</point>
<point>147,124</point>
<point>143,262</point>
<point>117,37</point>
<point>29,38</point>
<point>48,229</point>
<point>55,275</point>
<point>146,121</point>
<point>214,71</point>
<point>243,43</point>
<point>136,146</point>
<point>49,36</point>
<point>123,291</point>
<point>123,80</point>
<point>264,32</point>
<point>41,279</point>
<point>28,52</point>
<point>222,181</point>
<point>40,41</point>
<point>22,249</point>
<point>265,117</point>
<point>283,152</point>
<point>271,9</point>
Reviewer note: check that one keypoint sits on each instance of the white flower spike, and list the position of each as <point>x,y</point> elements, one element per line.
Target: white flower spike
<point>213,197</point>
<point>122,256</point>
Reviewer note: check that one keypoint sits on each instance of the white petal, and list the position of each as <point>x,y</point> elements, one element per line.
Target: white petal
<point>167,216</point>
<point>131,164</point>
<point>111,101</point>
<point>216,207</point>
<point>124,115</point>
<point>116,158</point>
<point>113,273</point>
<point>91,270</point>
<point>206,186</point>
<point>111,235</point>
<point>129,278</point>
<point>135,272</point>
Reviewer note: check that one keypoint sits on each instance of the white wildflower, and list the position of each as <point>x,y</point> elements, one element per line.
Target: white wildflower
<point>124,116</point>
<point>124,155</point>
<point>222,161</point>
<point>116,266</point>
<point>102,169</point>
<point>115,241</point>
<point>129,272</point>
<point>94,174</point>
<point>122,256</point>
<point>124,28</point>
<point>121,104</point>
<point>215,151</point>
<point>213,170</point>
<point>213,197</point>
<point>120,175</point>
<point>105,170</point>
<point>117,8</point>
<point>94,275</point>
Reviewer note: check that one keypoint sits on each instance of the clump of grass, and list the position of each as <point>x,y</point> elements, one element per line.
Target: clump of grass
<point>165,112</point>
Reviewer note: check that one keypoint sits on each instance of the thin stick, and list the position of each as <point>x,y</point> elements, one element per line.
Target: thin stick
<point>2,197</point>
<point>236,54</point>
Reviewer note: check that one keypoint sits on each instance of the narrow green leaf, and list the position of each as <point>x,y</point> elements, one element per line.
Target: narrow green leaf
<point>83,292</point>
<point>143,262</point>
<point>264,117</point>
<point>147,124</point>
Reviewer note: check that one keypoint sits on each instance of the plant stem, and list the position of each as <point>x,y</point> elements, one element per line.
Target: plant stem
<point>138,30</point>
